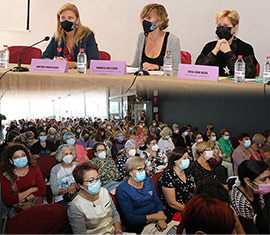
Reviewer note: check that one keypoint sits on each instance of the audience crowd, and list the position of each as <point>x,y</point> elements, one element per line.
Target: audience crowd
<point>114,176</point>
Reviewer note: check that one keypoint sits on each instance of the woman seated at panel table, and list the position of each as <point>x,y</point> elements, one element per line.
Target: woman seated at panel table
<point>70,37</point>
<point>154,42</point>
<point>224,51</point>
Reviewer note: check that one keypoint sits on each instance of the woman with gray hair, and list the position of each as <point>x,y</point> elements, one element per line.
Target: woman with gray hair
<point>61,179</point>
<point>258,142</point>
<point>138,199</point>
<point>165,143</point>
<point>130,151</point>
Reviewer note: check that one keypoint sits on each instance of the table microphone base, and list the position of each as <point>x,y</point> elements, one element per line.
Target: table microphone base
<point>141,73</point>
<point>20,69</point>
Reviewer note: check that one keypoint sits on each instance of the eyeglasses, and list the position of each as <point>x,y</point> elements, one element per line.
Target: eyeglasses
<point>140,169</point>
<point>93,180</point>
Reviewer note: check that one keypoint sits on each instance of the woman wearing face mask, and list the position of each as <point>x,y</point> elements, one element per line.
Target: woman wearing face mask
<point>184,140</point>
<point>176,185</point>
<point>154,42</point>
<point>85,140</point>
<point>118,145</point>
<point>202,167</point>
<point>81,154</point>
<point>198,137</point>
<point>92,210</point>
<point>138,199</point>
<point>130,151</point>
<point>242,152</point>
<point>107,169</point>
<point>101,137</point>
<point>70,37</point>
<point>29,139</point>
<point>165,142</point>
<point>256,147</point>
<point>77,131</point>
<point>155,159</point>
<point>225,142</point>
<point>138,135</point>
<point>61,178</point>
<point>247,199</point>
<point>21,181</point>
<point>224,51</point>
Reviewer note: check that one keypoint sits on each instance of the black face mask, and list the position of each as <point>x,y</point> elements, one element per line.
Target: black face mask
<point>148,26</point>
<point>224,32</point>
<point>68,26</point>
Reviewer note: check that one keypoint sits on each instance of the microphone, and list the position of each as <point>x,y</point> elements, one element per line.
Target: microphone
<point>19,68</point>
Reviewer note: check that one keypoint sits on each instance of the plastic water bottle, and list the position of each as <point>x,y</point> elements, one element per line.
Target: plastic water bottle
<point>81,61</point>
<point>239,69</point>
<point>4,57</point>
<point>168,64</point>
<point>266,70</point>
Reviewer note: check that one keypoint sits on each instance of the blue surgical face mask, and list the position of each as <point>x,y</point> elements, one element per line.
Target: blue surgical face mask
<point>69,127</point>
<point>52,136</point>
<point>94,188</point>
<point>78,131</point>
<point>42,138</point>
<point>184,164</point>
<point>121,138</point>
<point>185,133</point>
<point>71,141</point>
<point>247,143</point>
<point>167,137</point>
<point>140,176</point>
<point>226,137</point>
<point>213,138</point>
<point>20,162</point>
<point>154,124</point>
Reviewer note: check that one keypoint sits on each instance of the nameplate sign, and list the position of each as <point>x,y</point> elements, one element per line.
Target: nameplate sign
<point>198,72</point>
<point>108,67</point>
<point>49,66</point>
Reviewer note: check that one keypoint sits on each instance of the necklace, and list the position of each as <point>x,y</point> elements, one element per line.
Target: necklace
<point>22,173</point>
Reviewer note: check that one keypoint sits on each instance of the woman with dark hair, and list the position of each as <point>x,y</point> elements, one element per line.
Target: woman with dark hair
<point>101,137</point>
<point>175,185</point>
<point>155,159</point>
<point>21,181</point>
<point>85,140</point>
<point>247,199</point>
<point>184,140</point>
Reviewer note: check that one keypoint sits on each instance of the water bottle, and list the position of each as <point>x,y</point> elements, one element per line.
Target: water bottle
<point>168,64</point>
<point>81,61</point>
<point>239,69</point>
<point>4,57</point>
<point>266,70</point>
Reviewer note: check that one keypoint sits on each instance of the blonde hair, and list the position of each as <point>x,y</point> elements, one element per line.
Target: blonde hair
<point>166,131</point>
<point>132,163</point>
<point>201,146</point>
<point>258,138</point>
<point>232,15</point>
<point>81,31</point>
<point>160,12</point>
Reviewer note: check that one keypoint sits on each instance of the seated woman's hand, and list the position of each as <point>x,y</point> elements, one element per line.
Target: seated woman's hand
<point>161,225</point>
<point>72,188</point>
<point>160,216</point>
<point>148,66</point>
<point>60,58</point>
<point>34,189</point>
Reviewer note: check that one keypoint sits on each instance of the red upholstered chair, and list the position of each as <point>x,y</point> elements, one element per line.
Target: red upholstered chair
<point>103,55</point>
<point>46,218</point>
<point>90,154</point>
<point>258,70</point>
<point>155,178</point>
<point>27,55</point>
<point>174,140</point>
<point>185,57</point>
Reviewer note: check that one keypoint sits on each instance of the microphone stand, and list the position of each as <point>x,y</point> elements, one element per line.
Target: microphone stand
<point>19,68</point>
<point>142,72</point>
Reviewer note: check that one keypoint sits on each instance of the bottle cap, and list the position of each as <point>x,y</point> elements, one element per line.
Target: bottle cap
<point>240,56</point>
<point>268,57</point>
<point>81,49</point>
<point>5,46</point>
<point>168,51</point>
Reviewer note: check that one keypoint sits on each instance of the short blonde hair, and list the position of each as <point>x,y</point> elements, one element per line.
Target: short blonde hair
<point>132,163</point>
<point>201,146</point>
<point>160,12</point>
<point>258,138</point>
<point>166,131</point>
<point>232,15</point>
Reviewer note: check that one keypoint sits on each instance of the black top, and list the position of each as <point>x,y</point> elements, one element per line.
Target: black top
<point>183,191</point>
<point>181,142</point>
<point>38,149</point>
<point>226,61</point>
<point>158,60</point>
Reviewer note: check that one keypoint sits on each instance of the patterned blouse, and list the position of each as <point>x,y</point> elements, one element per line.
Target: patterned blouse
<point>155,164</point>
<point>106,169</point>
<point>121,163</point>
<point>183,191</point>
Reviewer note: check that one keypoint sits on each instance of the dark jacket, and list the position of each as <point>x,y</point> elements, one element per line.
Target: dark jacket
<point>88,43</point>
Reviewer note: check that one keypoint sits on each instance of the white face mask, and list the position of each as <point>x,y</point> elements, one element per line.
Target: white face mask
<point>132,152</point>
<point>102,155</point>
<point>155,147</point>
<point>68,159</point>
<point>200,140</point>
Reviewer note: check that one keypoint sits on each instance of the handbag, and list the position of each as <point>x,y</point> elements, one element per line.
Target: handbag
<point>20,206</point>
<point>70,196</point>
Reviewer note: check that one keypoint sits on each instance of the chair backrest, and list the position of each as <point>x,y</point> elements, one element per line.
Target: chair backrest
<point>185,57</point>
<point>27,55</point>
<point>258,70</point>
<point>90,154</point>
<point>103,55</point>
<point>155,178</point>
<point>46,218</point>
<point>46,163</point>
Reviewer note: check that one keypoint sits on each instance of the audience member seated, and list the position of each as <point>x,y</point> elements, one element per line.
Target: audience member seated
<point>77,131</point>
<point>61,179</point>
<point>101,137</point>
<point>242,152</point>
<point>203,215</point>
<point>165,143</point>
<point>81,154</point>
<point>138,136</point>
<point>138,199</point>
<point>118,145</point>
<point>198,137</point>
<point>183,140</point>
<point>256,147</point>
<point>108,171</point>
<point>155,159</point>
<point>266,146</point>
<point>130,151</point>
<point>225,142</point>
<point>53,138</point>
<point>22,181</point>
<point>29,139</point>
<point>225,50</point>
<point>176,129</point>
<point>92,210</point>
<point>247,199</point>
<point>176,186</point>
<point>85,140</point>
